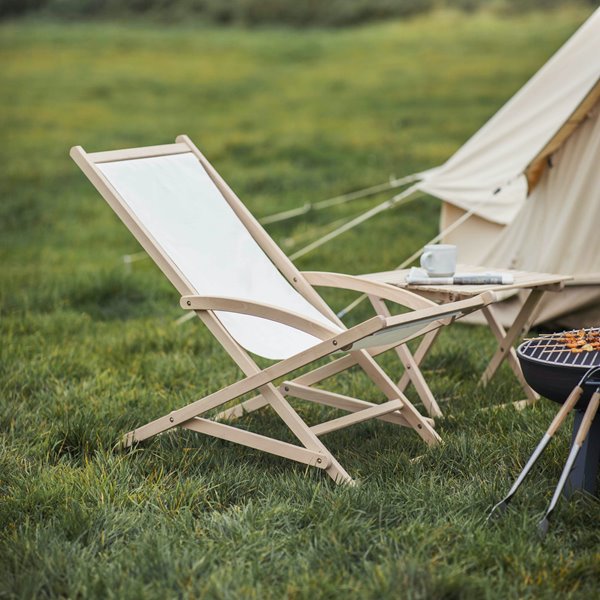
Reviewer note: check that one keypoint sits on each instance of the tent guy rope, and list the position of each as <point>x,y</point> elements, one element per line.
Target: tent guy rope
<point>336,200</point>
<point>401,198</point>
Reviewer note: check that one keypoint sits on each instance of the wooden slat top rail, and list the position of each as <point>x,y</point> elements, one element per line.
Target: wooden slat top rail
<point>131,153</point>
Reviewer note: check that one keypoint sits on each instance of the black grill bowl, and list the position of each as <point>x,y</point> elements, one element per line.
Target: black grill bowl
<point>554,381</point>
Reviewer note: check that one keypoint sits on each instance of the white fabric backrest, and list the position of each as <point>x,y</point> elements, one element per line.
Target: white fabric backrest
<point>183,210</point>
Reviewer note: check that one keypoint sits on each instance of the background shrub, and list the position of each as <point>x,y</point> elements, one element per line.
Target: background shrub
<point>295,13</point>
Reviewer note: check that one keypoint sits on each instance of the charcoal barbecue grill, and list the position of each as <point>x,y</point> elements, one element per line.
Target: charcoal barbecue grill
<point>552,370</point>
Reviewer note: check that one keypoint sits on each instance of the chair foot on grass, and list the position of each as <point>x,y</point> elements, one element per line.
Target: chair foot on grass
<point>128,441</point>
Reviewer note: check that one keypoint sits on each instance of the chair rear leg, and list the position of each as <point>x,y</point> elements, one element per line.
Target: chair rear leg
<point>303,432</point>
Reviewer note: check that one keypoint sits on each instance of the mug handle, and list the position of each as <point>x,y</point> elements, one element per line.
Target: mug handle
<point>426,260</point>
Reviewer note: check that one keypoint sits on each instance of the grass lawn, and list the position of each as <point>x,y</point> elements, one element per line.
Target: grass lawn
<point>89,351</point>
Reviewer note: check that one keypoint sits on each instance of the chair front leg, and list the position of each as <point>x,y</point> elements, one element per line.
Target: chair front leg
<point>411,368</point>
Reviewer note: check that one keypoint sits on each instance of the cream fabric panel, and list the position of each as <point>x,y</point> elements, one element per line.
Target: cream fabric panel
<point>557,231</point>
<point>185,213</point>
<point>486,173</point>
<point>473,237</point>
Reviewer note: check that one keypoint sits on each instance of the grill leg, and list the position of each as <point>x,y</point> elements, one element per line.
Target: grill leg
<point>584,475</point>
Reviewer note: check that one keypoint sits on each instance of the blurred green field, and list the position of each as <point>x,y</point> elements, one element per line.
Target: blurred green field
<point>253,13</point>
<point>90,351</point>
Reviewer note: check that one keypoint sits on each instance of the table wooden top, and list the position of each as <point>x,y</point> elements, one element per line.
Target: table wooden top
<point>522,280</point>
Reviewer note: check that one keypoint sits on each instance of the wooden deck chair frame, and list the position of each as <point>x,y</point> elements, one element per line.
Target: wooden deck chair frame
<point>360,343</point>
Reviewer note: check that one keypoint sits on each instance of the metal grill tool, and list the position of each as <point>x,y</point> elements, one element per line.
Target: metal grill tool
<point>582,433</point>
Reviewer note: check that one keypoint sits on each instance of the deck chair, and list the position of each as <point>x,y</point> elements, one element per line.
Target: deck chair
<point>254,301</point>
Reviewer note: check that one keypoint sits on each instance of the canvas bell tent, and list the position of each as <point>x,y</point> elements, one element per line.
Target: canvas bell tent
<point>524,191</point>
<point>529,181</point>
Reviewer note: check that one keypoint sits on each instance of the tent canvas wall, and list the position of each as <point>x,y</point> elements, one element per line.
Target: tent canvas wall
<point>530,178</point>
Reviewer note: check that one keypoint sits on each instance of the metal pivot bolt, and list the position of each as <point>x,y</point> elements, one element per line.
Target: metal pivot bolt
<point>172,419</point>
<point>322,462</point>
<point>189,302</point>
<point>335,342</point>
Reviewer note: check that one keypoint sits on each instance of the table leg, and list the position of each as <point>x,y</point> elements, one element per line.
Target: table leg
<point>584,475</point>
<point>506,340</point>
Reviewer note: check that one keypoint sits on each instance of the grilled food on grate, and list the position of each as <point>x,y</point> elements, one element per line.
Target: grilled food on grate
<point>575,341</point>
<point>584,340</point>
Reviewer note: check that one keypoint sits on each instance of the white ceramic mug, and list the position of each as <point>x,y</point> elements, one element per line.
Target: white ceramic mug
<point>439,260</point>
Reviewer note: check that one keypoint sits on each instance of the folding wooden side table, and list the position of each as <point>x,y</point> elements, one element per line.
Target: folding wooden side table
<point>537,284</point>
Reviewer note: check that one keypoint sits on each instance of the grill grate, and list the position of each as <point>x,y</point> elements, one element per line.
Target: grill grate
<point>548,350</point>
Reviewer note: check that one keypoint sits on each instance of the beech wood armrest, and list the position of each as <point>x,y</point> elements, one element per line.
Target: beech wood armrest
<point>345,339</point>
<point>264,311</point>
<point>340,339</point>
<point>366,286</point>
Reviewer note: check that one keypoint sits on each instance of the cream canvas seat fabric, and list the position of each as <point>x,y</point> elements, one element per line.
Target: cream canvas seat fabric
<point>175,200</point>
<point>253,299</point>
